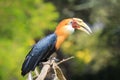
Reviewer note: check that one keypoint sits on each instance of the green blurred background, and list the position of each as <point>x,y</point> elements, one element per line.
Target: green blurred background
<point>23,22</point>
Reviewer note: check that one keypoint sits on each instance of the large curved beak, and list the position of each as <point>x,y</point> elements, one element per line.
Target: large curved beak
<point>84,27</point>
<point>81,25</point>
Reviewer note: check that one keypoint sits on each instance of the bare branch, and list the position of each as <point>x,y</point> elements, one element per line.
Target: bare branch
<point>46,68</point>
<point>30,76</point>
<point>36,72</point>
<point>58,72</point>
<point>44,72</point>
<point>65,60</point>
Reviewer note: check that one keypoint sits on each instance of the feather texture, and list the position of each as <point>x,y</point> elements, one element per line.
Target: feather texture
<point>39,53</point>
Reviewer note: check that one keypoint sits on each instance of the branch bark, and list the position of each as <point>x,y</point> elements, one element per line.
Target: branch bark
<point>54,65</point>
<point>58,72</point>
<point>44,72</point>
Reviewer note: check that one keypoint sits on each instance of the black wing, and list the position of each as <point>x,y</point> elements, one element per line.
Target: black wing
<point>40,52</point>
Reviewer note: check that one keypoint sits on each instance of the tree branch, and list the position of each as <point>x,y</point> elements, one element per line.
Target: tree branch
<point>44,72</point>
<point>47,66</point>
<point>58,72</point>
<point>65,60</point>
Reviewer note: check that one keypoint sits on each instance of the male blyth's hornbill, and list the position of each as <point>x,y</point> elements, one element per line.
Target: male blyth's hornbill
<point>42,50</point>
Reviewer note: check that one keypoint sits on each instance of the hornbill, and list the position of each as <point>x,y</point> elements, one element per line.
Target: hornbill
<point>44,48</point>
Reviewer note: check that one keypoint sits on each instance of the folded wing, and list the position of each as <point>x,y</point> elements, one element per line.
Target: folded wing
<point>39,53</point>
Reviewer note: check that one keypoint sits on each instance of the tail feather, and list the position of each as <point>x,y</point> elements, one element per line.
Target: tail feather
<point>29,64</point>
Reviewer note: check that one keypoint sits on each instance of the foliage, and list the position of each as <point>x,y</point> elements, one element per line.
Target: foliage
<point>21,22</point>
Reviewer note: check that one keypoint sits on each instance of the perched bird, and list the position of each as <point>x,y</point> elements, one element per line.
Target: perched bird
<point>42,50</point>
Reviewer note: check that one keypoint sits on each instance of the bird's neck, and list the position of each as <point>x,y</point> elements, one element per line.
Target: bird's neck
<point>60,40</point>
<point>61,37</point>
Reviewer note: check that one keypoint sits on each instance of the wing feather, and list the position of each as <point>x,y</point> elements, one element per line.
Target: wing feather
<point>40,52</point>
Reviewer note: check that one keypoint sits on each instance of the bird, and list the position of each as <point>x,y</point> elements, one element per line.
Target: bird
<point>45,47</point>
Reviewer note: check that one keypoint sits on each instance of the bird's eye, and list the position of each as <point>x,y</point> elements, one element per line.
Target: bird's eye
<point>70,22</point>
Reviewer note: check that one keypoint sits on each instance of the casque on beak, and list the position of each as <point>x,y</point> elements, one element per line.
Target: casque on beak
<point>81,25</point>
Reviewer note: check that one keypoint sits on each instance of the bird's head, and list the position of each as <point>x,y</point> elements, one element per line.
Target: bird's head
<point>67,26</point>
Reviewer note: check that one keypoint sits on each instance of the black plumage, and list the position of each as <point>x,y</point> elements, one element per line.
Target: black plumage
<point>40,52</point>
